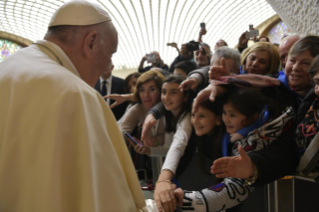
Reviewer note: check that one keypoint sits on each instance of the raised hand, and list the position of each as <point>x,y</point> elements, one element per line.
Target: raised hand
<point>242,42</point>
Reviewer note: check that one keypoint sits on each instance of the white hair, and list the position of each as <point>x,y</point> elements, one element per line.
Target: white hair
<point>228,53</point>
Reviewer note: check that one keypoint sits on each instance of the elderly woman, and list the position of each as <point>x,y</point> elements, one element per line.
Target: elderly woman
<point>261,58</point>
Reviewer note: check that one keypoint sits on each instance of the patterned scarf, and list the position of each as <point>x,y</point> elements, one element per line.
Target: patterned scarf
<point>307,140</point>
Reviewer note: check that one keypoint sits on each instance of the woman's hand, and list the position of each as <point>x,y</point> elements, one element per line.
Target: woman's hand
<point>179,194</point>
<point>164,196</point>
<point>119,98</point>
<point>140,148</point>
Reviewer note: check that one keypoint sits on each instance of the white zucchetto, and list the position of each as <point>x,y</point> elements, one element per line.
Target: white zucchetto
<point>79,13</point>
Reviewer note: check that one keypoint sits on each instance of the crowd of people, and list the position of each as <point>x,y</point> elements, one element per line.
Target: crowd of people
<point>242,114</point>
<point>252,110</point>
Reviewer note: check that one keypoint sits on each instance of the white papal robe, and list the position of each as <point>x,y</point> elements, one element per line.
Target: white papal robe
<point>60,146</point>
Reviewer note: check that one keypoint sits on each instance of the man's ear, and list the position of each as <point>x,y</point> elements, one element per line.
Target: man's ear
<point>90,44</point>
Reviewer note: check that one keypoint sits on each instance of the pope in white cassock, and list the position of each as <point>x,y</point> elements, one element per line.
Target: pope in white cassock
<point>60,146</point>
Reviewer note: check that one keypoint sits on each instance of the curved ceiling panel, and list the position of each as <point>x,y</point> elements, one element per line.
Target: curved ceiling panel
<point>147,25</point>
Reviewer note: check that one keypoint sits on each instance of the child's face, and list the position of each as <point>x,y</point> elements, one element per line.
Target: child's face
<point>316,81</point>
<point>232,118</point>
<point>297,70</point>
<point>132,84</point>
<point>204,121</point>
<point>178,71</point>
<point>172,97</point>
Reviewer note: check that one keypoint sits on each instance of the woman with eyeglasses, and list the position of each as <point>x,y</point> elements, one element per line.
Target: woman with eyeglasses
<point>147,93</point>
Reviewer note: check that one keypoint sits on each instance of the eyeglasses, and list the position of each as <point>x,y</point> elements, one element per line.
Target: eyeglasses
<point>220,43</point>
<point>150,90</point>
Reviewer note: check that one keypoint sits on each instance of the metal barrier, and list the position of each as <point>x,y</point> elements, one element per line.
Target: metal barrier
<point>289,194</point>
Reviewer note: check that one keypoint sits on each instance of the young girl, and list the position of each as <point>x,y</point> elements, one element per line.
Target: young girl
<point>177,119</point>
<point>208,127</point>
<point>246,115</point>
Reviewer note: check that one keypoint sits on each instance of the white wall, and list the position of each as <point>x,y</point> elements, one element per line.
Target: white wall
<point>301,16</point>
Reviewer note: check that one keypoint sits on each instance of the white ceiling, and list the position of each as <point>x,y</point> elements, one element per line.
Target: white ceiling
<point>147,25</point>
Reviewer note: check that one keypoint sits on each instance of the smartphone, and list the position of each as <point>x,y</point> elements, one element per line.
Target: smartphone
<point>132,139</point>
<point>151,58</point>
<point>252,33</point>
<point>202,25</point>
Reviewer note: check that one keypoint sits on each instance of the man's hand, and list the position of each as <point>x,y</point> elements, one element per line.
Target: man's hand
<point>188,84</point>
<point>239,166</point>
<point>119,98</point>
<point>164,196</point>
<point>242,42</point>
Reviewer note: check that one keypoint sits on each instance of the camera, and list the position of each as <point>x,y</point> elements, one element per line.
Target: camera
<point>192,46</point>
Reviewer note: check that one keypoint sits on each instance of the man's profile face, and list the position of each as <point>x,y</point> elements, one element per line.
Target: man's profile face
<point>108,46</point>
<point>107,72</point>
<point>284,49</point>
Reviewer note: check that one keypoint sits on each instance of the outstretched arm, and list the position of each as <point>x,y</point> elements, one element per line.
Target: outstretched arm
<point>119,98</point>
<point>227,194</point>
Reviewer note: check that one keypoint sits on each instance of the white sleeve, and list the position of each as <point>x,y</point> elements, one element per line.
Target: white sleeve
<point>161,151</point>
<point>179,143</point>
